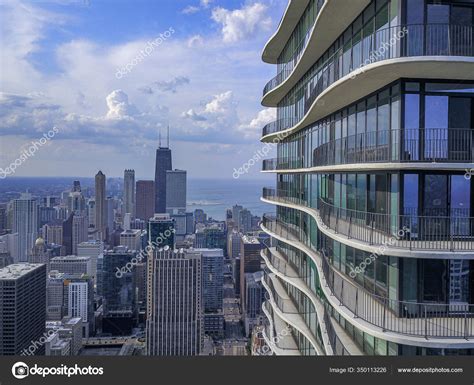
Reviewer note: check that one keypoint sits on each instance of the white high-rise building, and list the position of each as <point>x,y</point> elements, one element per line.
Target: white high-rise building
<point>174,303</point>
<point>25,223</point>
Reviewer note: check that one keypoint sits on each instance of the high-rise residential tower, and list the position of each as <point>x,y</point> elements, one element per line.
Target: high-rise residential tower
<point>25,223</point>
<point>174,303</point>
<point>100,206</point>
<point>145,205</point>
<point>129,192</point>
<point>373,235</point>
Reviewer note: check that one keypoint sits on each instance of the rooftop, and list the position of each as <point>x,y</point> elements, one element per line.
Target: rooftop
<point>17,270</point>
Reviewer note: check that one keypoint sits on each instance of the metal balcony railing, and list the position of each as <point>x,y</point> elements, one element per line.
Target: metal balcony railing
<point>427,320</point>
<point>287,68</point>
<point>334,340</point>
<point>438,231</point>
<point>389,43</point>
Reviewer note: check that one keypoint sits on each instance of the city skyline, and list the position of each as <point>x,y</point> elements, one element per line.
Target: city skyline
<point>214,124</point>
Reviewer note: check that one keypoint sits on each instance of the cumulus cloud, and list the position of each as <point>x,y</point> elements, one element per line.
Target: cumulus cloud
<point>119,107</point>
<point>173,84</point>
<point>242,23</point>
<point>193,115</point>
<point>253,129</point>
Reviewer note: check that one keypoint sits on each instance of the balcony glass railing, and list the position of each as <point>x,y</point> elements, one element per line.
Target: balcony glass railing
<point>427,320</point>
<point>388,43</point>
<point>287,68</point>
<point>454,232</point>
<point>454,145</point>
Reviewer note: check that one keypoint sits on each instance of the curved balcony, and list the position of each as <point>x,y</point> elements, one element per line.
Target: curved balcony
<point>331,19</point>
<point>414,232</point>
<point>411,232</point>
<point>421,145</point>
<point>282,344</point>
<point>432,41</point>
<point>278,125</point>
<point>288,23</point>
<point>336,344</point>
<point>425,321</point>
<point>404,317</point>
<point>286,309</point>
<point>289,66</point>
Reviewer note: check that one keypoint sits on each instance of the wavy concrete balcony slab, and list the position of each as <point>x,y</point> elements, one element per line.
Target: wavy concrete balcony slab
<point>290,19</point>
<point>290,314</point>
<point>282,344</point>
<point>331,22</point>
<point>349,316</point>
<point>375,76</point>
<point>388,249</point>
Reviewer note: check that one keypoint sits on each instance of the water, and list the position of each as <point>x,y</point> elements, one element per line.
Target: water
<point>214,196</point>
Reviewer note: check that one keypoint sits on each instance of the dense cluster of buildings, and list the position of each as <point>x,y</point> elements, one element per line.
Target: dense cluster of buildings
<point>93,269</point>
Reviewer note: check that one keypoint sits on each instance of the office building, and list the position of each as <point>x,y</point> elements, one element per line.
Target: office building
<point>23,304</point>
<point>25,224</point>
<point>118,291</point>
<point>145,205</point>
<point>55,309</point>
<point>161,231</point>
<point>175,191</point>
<point>129,192</point>
<point>163,164</point>
<point>375,108</point>
<point>72,264</point>
<point>79,301</point>
<point>174,303</point>
<point>100,206</point>
<point>67,332</point>
<point>93,250</point>
<point>250,262</point>
<point>254,297</point>
<point>132,239</point>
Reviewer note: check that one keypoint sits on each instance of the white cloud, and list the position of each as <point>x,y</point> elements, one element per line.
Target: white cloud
<point>220,103</point>
<point>190,9</point>
<point>119,107</point>
<point>195,41</point>
<point>206,3</point>
<point>242,23</point>
<point>254,128</point>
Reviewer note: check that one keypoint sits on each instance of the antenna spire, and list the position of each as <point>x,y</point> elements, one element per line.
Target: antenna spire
<point>168,136</point>
<point>159,137</point>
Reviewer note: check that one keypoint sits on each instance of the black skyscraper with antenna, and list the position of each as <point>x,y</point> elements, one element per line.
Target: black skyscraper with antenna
<point>163,164</point>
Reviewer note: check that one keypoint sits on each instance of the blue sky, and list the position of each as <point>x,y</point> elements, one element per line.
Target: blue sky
<point>109,74</point>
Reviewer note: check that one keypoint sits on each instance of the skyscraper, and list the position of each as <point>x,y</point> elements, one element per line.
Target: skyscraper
<point>129,192</point>
<point>375,103</point>
<point>163,164</point>
<point>145,199</point>
<point>250,262</point>
<point>118,290</point>
<point>100,206</point>
<point>174,308</point>
<point>23,308</point>
<point>161,231</point>
<point>175,191</point>
<point>25,223</point>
